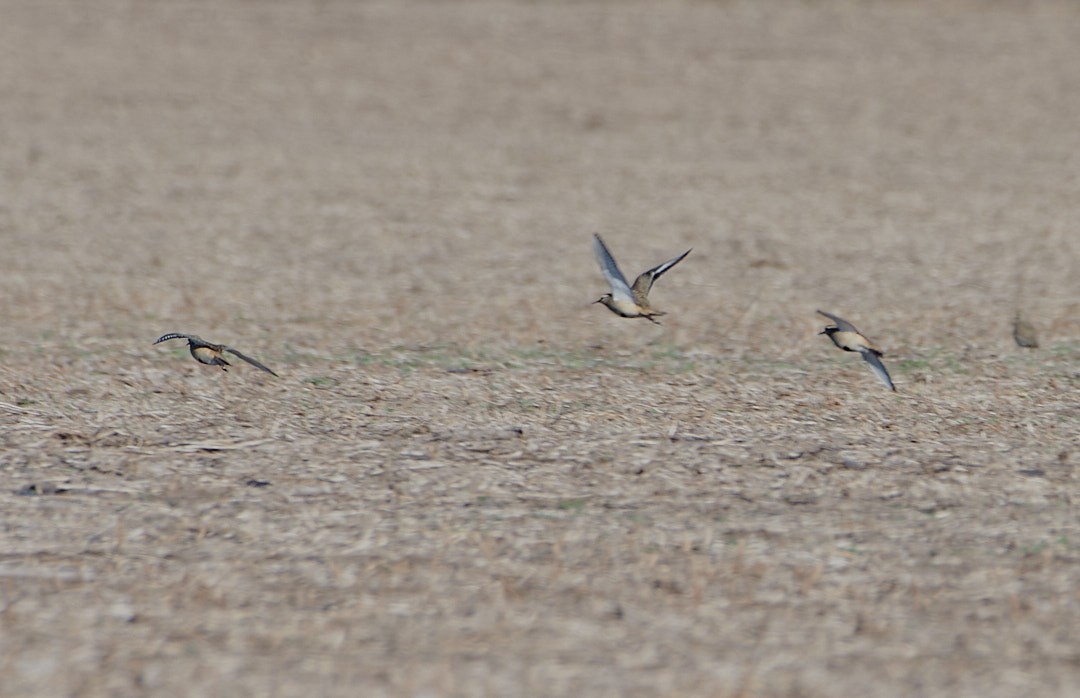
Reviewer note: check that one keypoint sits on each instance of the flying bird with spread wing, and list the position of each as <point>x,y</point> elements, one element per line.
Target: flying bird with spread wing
<point>844,335</point>
<point>211,354</point>
<point>626,300</point>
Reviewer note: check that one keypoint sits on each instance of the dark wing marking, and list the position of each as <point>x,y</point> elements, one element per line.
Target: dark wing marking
<point>841,323</point>
<point>174,335</point>
<point>643,284</point>
<point>251,361</point>
<point>871,358</point>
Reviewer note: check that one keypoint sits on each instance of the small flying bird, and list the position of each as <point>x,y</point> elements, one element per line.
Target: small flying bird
<point>211,354</point>
<point>1024,333</point>
<point>626,300</point>
<point>844,335</point>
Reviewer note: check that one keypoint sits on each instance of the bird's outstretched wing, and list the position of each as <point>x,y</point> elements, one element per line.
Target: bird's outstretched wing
<point>176,335</point>
<point>871,357</point>
<point>841,324</point>
<point>643,284</point>
<point>251,361</point>
<point>620,290</point>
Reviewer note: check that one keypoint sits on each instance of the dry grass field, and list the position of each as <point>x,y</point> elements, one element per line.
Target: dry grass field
<point>468,481</point>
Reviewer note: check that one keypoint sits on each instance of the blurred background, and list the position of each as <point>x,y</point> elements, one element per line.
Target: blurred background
<point>350,175</point>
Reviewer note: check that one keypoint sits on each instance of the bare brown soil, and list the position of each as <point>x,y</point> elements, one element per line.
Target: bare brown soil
<point>470,481</point>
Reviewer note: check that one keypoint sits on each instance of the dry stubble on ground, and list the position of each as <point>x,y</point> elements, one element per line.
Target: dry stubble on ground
<point>469,481</point>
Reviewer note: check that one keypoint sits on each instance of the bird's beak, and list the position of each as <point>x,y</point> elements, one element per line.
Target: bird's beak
<point>596,301</point>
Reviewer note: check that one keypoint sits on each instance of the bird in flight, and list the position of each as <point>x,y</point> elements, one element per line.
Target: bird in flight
<point>624,299</point>
<point>211,354</point>
<point>844,335</point>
